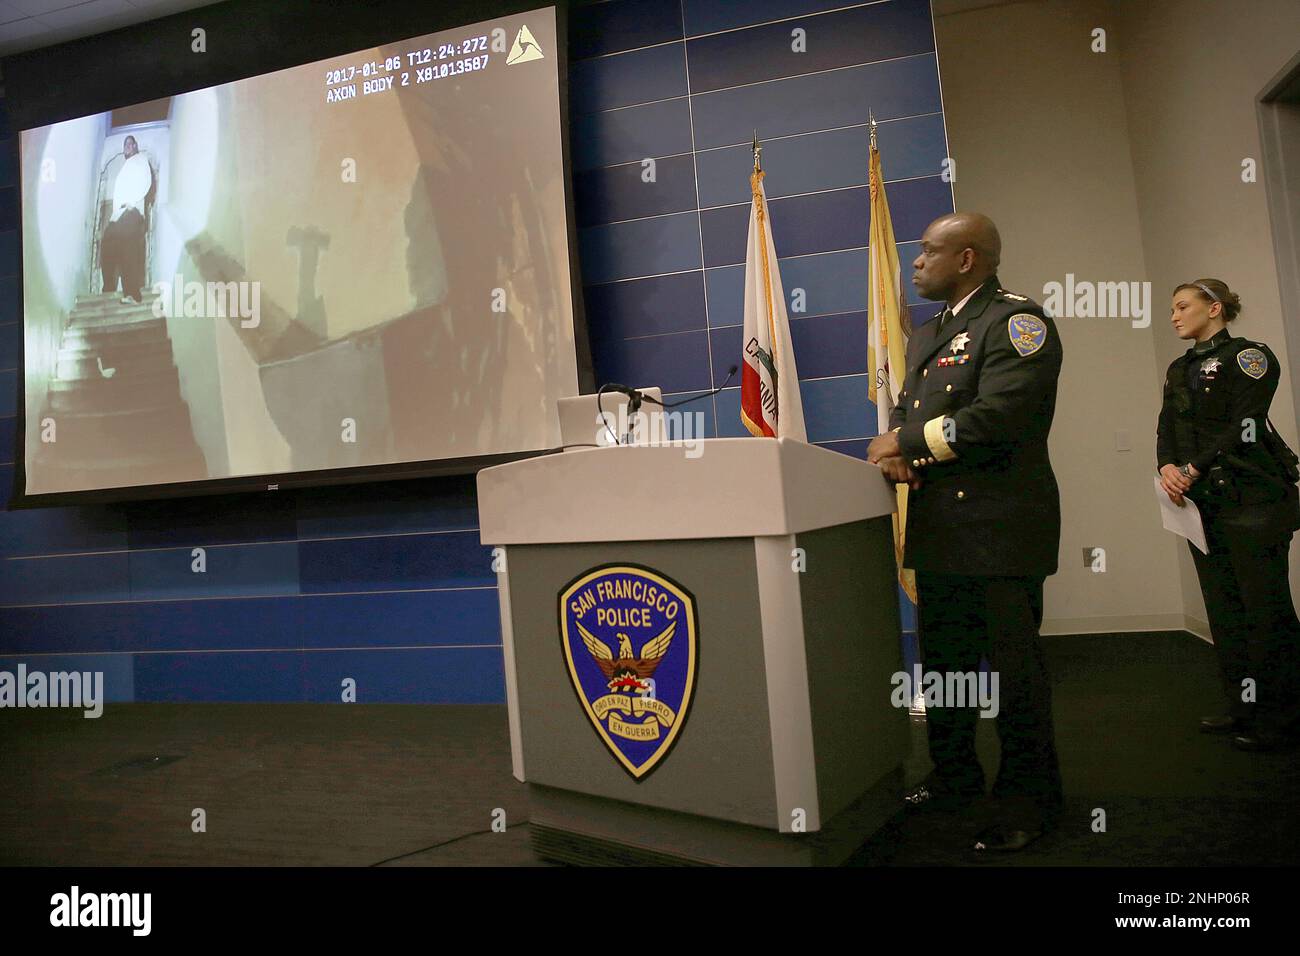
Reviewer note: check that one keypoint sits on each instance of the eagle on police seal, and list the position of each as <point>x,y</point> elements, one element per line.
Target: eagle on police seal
<point>628,672</point>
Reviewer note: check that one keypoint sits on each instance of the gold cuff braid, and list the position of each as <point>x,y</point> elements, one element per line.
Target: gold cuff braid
<point>934,438</point>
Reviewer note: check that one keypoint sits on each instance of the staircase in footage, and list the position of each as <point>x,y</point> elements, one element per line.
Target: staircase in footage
<point>116,402</point>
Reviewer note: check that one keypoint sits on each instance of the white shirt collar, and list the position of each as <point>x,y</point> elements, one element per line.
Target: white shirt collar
<point>958,307</point>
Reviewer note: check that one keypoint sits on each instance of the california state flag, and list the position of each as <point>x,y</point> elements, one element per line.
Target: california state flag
<point>769,385</point>
<point>886,343</point>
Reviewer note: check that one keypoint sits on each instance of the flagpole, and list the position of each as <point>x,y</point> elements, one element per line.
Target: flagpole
<point>770,403</point>
<point>917,706</point>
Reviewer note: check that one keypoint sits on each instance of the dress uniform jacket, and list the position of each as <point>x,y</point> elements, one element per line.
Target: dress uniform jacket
<point>1215,417</point>
<point>972,420</point>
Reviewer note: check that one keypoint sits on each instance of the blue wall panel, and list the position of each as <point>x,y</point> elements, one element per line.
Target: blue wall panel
<point>632,134</point>
<point>10,309</point>
<point>676,363</point>
<point>808,162</point>
<point>241,570</point>
<point>447,618</point>
<point>635,190</point>
<point>49,531</point>
<point>239,677</point>
<point>641,76</point>
<point>159,527</point>
<point>830,41</point>
<point>11,344</point>
<point>711,16</point>
<point>802,104</point>
<point>462,675</point>
<point>62,579</point>
<point>644,247</point>
<point>401,510</point>
<point>118,670</point>
<point>392,589</point>
<point>673,303</point>
<point>614,27</point>
<point>395,563</point>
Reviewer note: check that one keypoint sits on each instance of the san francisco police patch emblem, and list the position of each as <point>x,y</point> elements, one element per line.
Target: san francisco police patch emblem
<point>631,643</point>
<point>1028,333</point>
<point>1253,362</point>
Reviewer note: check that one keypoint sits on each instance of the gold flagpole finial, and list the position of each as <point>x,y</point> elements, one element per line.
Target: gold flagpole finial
<point>758,153</point>
<point>872,117</point>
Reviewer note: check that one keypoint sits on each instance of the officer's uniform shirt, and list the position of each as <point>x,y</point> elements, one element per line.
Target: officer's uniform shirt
<point>972,420</point>
<point>1215,417</point>
<point>952,313</point>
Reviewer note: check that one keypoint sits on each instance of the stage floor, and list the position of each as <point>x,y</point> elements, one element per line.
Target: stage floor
<point>364,784</point>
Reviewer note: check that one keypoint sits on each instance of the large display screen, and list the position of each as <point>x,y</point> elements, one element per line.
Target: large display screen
<point>357,262</point>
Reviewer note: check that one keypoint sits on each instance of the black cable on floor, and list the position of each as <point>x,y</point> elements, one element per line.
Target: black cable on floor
<point>455,839</point>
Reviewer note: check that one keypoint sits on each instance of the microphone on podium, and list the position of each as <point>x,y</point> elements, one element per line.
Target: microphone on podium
<point>636,397</point>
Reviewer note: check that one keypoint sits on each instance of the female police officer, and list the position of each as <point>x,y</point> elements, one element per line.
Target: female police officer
<point>1216,446</point>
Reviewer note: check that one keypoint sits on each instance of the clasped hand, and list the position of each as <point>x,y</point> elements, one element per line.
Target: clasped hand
<point>1175,483</point>
<point>885,452</point>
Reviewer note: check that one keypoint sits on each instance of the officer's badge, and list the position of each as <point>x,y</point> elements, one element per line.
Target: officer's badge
<point>1028,333</point>
<point>1210,366</point>
<point>631,644</point>
<point>959,341</point>
<point>1253,362</point>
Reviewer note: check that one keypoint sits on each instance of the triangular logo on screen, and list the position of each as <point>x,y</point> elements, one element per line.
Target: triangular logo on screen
<point>631,646</point>
<point>525,48</point>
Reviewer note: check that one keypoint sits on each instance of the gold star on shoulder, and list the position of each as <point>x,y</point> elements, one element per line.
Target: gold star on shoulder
<point>959,342</point>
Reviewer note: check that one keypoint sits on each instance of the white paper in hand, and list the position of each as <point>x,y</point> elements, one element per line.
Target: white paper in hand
<point>132,185</point>
<point>1184,521</point>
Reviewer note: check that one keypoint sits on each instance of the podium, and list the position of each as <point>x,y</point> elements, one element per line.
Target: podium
<point>699,650</point>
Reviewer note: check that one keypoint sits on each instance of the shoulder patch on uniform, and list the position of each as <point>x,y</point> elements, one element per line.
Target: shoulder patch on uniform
<point>1253,362</point>
<point>1012,296</point>
<point>1028,333</point>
